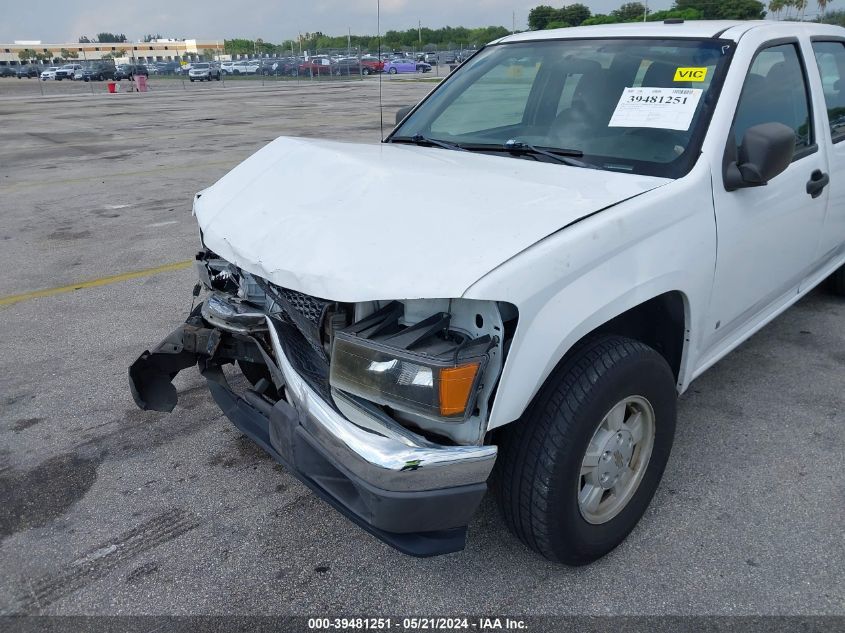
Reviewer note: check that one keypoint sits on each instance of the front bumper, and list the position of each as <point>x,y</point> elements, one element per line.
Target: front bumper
<point>413,494</point>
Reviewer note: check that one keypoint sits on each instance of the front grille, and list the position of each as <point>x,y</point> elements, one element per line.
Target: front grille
<point>299,334</point>
<point>309,307</point>
<point>300,310</point>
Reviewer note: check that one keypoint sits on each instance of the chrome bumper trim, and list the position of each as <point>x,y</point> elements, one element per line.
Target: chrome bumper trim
<point>224,313</point>
<point>378,450</point>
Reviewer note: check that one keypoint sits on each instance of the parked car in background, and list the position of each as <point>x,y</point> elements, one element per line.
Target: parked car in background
<point>400,65</point>
<point>67,71</point>
<point>348,66</point>
<point>447,57</point>
<point>278,67</point>
<point>271,66</point>
<point>128,71</point>
<point>168,68</point>
<point>316,66</point>
<point>49,73</point>
<point>98,71</point>
<point>371,65</point>
<point>8,71</point>
<point>430,58</point>
<point>26,72</point>
<point>243,67</point>
<point>204,71</point>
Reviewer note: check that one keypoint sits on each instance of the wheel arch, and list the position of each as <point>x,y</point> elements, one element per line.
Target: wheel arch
<point>660,319</point>
<point>660,322</point>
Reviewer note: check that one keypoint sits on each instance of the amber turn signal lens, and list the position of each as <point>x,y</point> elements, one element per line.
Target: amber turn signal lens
<point>455,388</point>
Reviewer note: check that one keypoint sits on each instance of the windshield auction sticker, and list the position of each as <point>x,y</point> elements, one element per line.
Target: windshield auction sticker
<point>690,74</point>
<point>665,108</point>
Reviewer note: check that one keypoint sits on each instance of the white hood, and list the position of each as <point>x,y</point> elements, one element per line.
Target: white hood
<point>353,222</point>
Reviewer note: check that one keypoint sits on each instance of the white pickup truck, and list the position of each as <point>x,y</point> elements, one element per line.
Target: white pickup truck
<point>606,212</point>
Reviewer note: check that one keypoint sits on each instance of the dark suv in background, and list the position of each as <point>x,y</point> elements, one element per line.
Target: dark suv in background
<point>99,71</point>
<point>26,72</point>
<point>128,71</point>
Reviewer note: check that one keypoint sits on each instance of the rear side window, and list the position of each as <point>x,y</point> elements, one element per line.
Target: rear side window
<point>775,90</point>
<point>830,58</point>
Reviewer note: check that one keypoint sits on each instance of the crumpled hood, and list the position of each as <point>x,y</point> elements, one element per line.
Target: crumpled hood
<point>354,222</point>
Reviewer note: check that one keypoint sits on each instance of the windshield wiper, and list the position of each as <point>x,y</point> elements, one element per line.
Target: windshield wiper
<point>420,139</point>
<point>560,155</point>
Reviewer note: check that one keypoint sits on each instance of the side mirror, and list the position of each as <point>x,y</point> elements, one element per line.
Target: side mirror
<point>402,113</point>
<point>766,151</point>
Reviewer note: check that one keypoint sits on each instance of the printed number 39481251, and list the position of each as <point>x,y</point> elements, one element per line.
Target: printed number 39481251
<point>656,99</point>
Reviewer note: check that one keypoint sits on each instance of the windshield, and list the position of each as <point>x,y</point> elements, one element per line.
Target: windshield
<point>200,65</point>
<point>631,105</point>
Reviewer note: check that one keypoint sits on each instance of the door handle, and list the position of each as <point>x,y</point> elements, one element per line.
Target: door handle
<point>818,181</point>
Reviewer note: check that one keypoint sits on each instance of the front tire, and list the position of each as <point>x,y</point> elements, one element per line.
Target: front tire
<point>836,282</point>
<point>577,472</point>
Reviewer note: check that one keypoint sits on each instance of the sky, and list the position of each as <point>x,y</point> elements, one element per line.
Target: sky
<point>58,21</point>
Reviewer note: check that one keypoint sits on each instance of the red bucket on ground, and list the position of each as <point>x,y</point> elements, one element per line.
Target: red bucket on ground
<point>112,88</point>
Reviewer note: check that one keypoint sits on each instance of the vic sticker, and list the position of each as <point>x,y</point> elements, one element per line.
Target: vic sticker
<point>690,74</point>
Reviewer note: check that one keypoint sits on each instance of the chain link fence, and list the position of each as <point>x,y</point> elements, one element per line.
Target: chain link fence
<point>294,67</point>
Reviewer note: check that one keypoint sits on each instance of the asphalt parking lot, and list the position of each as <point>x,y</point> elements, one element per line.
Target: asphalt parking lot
<point>109,510</point>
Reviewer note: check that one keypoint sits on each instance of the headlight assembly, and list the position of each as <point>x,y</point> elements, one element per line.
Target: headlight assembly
<point>424,369</point>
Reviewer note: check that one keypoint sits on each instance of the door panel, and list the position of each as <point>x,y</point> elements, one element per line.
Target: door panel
<point>830,58</point>
<point>768,235</point>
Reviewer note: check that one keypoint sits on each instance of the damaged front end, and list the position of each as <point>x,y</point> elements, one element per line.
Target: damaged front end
<point>379,407</point>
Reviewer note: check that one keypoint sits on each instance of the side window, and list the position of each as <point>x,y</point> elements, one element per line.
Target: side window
<point>830,58</point>
<point>775,90</point>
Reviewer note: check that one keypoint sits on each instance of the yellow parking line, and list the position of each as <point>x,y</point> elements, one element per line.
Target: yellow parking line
<point>93,283</point>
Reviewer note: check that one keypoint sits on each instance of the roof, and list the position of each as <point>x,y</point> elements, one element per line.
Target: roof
<point>727,29</point>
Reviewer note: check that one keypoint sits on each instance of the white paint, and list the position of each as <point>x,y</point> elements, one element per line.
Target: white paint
<point>397,221</point>
<point>168,223</point>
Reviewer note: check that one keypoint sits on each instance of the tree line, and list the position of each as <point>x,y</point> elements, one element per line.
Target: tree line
<point>105,38</point>
<point>421,39</point>
<point>547,17</point>
<point>785,8</point>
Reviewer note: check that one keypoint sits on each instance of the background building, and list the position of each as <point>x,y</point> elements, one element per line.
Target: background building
<point>122,52</point>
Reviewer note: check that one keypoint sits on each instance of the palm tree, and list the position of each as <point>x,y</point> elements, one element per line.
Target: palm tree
<point>776,6</point>
<point>822,6</point>
<point>800,5</point>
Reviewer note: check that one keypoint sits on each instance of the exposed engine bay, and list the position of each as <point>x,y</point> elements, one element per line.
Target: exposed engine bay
<point>432,365</point>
